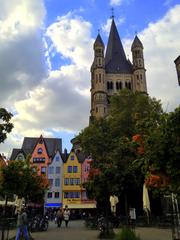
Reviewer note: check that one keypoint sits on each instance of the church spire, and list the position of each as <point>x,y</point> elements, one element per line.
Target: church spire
<point>115,58</point>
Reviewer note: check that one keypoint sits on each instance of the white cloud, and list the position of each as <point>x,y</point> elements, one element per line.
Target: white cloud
<point>22,49</point>
<point>116,2</point>
<point>71,37</point>
<point>161,47</point>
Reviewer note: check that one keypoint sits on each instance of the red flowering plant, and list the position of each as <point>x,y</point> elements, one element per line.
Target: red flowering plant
<point>138,139</point>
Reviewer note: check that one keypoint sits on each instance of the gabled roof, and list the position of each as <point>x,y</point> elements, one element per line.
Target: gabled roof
<point>99,41</point>
<point>177,60</point>
<point>115,58</point>
<point>15,152</point>
<point>52,144</point>
<point>64,155</point>
<point>80,156</point>
<point>136,43</point>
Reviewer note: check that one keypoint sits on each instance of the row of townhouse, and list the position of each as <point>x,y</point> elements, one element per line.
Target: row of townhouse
<point>66,172</point>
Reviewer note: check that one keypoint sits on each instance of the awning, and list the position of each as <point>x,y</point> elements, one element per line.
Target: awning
<point>46,205</point>
<point>80,206</point>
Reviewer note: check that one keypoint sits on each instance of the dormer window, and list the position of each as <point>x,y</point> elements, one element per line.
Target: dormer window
<point>40,151</point>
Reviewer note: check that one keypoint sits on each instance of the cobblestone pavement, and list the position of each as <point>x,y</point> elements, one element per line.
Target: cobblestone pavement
<point>77,231</point>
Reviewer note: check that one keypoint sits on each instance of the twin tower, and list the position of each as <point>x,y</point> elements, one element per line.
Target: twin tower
<point>112,71</point>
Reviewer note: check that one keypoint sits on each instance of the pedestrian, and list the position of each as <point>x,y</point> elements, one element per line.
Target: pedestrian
<point>22,222</point>
<point>66,215</point>
<point>59,216</point>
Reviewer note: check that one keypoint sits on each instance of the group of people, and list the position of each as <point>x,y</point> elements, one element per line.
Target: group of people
<point>63,215</point>
<point>22,221</point>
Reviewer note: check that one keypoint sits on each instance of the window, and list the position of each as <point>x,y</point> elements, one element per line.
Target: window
<point>57,182</point>
<point>50,182</point>
<point>118,85</point>
<point>56,194</point>
<point>72,157</point>
<point>50,170</point>
<point>39,160</point>
<point>20,157</point>
<point>49,195</point>
<point>86,169</point>
<point>76,194</point>
<point>58,169</point>
<point>99,77</point>
<point>66,181</point>
<point>77,181</point>
<point>66,195</point>
<point>57,158</point>
<point>129,85</point>
<point>39,150</point>
<point>71,181</point>
<point>75,169</point>
<point>96,109</point>
<point>69,169</point>
<point>33,169</point>
<point>43,170</point>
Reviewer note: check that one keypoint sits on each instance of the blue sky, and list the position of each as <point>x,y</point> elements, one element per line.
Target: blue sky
<point>46,50</point>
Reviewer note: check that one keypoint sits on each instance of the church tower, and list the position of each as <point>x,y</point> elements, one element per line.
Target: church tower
<point>114,72</point>
<point>138,66</point>
<point>98,84</point>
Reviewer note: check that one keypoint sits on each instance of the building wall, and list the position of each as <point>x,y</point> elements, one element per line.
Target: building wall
<point>40,158</point>
<point>72,181</point>
<point>55,177</point>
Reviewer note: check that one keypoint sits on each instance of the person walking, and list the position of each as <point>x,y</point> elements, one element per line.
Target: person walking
<point>22,224</point>
<point>66,215</point>
<point>59,216</point>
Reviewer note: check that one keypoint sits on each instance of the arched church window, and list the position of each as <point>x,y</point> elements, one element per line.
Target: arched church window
<point>129,85</point>
<point>117,85</point>
<point>99,77</point>
<point>96,78</point>
<point>120,85</point>
<point>96,109</point>
<point>108,85</point>
<point>111,85</point>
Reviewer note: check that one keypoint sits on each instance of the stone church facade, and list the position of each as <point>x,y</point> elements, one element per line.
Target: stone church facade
<point>111,71</point>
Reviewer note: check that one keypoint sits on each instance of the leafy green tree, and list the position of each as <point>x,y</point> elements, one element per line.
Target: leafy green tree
<point>19,179</point>
<point>162,153</point>
<point>5,124</point>
<point>109,142</point>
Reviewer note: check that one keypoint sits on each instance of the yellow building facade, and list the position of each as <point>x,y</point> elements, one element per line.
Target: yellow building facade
<point>72,182</point>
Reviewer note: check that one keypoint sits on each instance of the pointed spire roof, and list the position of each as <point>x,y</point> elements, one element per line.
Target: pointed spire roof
<point>98,41</point>
<point>115,58</point>
<point>136,43</point>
